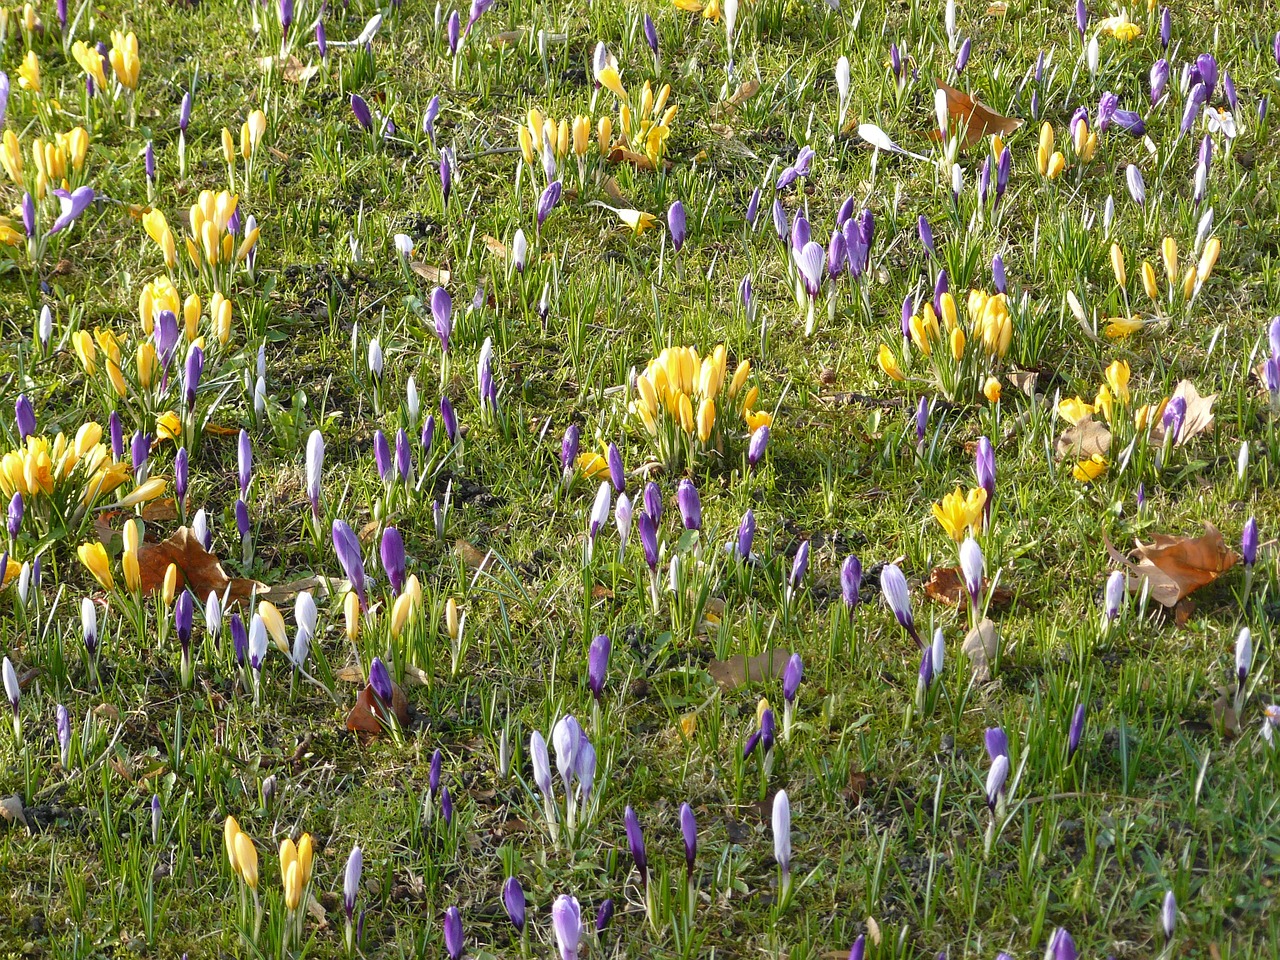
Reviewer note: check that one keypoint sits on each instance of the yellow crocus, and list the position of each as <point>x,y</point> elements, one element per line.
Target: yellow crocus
<point>1208,259</point>
<point>1169,253</point>
<point>400,613</point>
<point>247,860</point>
<point>1088,470</point>
<point>145,493</point>
<point>959,512</point>
<point>1149,285</point>
<point>957,340</point>
<point>29,72</point>
<point>706,419</point>
<point>1117,264</point>
<point>638,220</point>
<point>1074,410</point>
<point>86,351</point>
<point>169,426</point>
<point>1118,327</point>
<point>351,613</point>
<point>274,622</point>
<point>94,558</point>
<point>889,363</point>
<point>991,390</point>
<point>1117,377</point>
<point>230,829</point>
<point>1045,149</point>
<point>305,856</point>
<point>608,78</point>
<point>90,62</point>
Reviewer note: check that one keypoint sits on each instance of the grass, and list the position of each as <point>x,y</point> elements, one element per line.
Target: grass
<point>891,833</point>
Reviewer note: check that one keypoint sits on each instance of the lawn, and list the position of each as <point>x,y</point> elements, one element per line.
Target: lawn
<point>715,479</point>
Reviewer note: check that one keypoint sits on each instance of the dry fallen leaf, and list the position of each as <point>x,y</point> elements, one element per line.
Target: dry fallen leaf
<point>946,585</point>
<point>436,275</point>
<point>496,247</point>
<point>739,670</point>
<point>637,160</point>
<point>11,810</point>
<point>972,117</point>
<point>1199,416</point>
<point>197,568</point>
<point>473,558</point>
<point>1084,440</point>
<point>858,782</point>
<point>1175,566</point>
<point>506,38</point>
<point>614,192</point>
<point>981,646</point>
<point>1224,712</point>
<point>368,715</point>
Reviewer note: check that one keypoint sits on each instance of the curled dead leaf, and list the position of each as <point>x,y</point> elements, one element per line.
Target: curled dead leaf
<point>1175,566</point>
<point>972,118</point>
<point>473,558</point>
<point>1086,439</point>
<point>982,646</point>
<point>436,275</point>
<point>740,670</point>
<point>1198,419</point>
<point>369,715</point>
<point>11,810</point>
<point>946,585</point>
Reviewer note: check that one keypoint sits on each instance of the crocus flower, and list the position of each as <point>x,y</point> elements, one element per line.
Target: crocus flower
<point>1166,28</point>
<point>487,387</point>
<point>689,830</point>
<point>850,581</point>
<point>347,547</point>
<point>569,450</point>
<point>70,206</point>
<point>1076,731</point>
<point>380,680</point>
<point>453,933</point>
<point>63,724</point>
<point>893,585</point>
<point>753,207</point>
<point>617,472</point>
<point>651,34</point>
<point>1175,414</point>
<point>859,949</point>
<point>972,565</point>
<point>14,692</point>
<point>513,901</point>
<point>1248,542</point>
<point>690,505</point>
<point>244,461</point>
<point>548,200</point>
<point>1244,656</point>
<point>1082,17</point>
<point>454,31</point>
<point>648,531</point>
<point>677,225</point>
<point>1159,79</point>
<point>598,664</point>
<point>653,501</point>
<point>139,451</point>
<point>604,916</point>
<point>756,447</point>
<point>89,625</point>
<point>1062,946</point>
<point>1169,915</point>
<point>791,677</point>
<point>24,417</point>
<point>635,843</point>
<point>257,642</point>
<point>191,374</point>
<point>1131,122</point>
<point>351,881</point>
<point>449,419</point>
<point>996,777</point>
<point>393,560</point>
<point>780,220</point>
<point>1137,187</point>
<point>809,260</point>
<point>599,515</point>
<point>519,251</point>
<point>1114,595</point>
<point>239,639</point>
<point>315,467</point>
<point>622,514</point>
<point>446,175</point>
<point>566,921</point>
<point>782,834</point>
<point>746,534</point>
<point>360,108</point>
<point>29,216</point>
<point>798,567</point>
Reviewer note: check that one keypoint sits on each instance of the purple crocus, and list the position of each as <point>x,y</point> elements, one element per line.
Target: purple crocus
<point>850,581</point>
<point>442,314</point>
<point>1175,414</point>
<point>756,448</point>
<point>604,916</point>
<point>181,474</point>
<point>71,205</point>
<point>569,450</point>
<point>753,207</point>
<point>651,34</point>
<point>1130,121</point>
<point>149,162</point>
<point>244,462</point>
<point>690,505</point>
<point>962,58</point>
<point>996,742</point>
<point>566,923</point>
<point>1207,69</point>
<point>653,501</point>
<point>360,107</point>
<point>1076,731</point>
<point>893,587</point>
<point>1159,79</point>
<point>14,519</point>
<point>598,664</point>
<point>453,940</point>
<point>1082,18</point>
<point>1248,542</point>
<point>617,473</point>
<point>791,677</point>
<point>798,567</point>
<point>449,419</point>
<point>351,882</point>
<point>677,225</point>
<point>139,450</point>
<point>242,518</point>
<point>29,215</point>
<point>24,417</point>
<point>446,174</point>
<point>1166,28</point>
<point>380,680</point>
<point>635,842</point>
<point>513,901</point>
<point>391,551</point>
<point>689,830</point>
<point>746,534</point>
<point>191,374</point>
<point>404,457</point>
<point>548,200</point>
<point>984,469</point>
<point>347,547</point>
<point>809,260</point>
<point>648,530</point>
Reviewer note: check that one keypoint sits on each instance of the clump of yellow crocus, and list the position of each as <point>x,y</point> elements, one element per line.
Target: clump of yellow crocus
<point>959,512</point>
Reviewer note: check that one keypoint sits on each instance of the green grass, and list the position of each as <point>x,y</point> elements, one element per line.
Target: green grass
<point>890,822</point>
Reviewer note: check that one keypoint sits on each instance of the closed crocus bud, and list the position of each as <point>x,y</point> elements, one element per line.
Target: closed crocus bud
<point>24,417</point>
<point>598,665</point>
<point>346,546</point>
<point>14,692</point>
<point>996,741</point>
<point>1166,28</point>
<point>403,456</point>
<point>391,552</point>
<point>382,456</point>
<point>622,514</point>
<point>996,777</point>
<point>363,115</point>
<point>635,842</point>
<point>972,566</point>
<point>1076,731</point>
<point>677,225</point>
<point>850,581</point>
<point>89,625</point>
<point>1248,542</point>
<point>548,200</point>
<point>541,761</point>
<point>453,940</point>
<point>782,832</point>
<point>798,566</point>
<point>1061,946</point>
<point>653,501</point>
<point>1244,656</point>
<point>351,881</point>
<point>239,639</point>
<point>183,614</point>
<point>648,531</point>
<point>791,677</point>
<point>566,922</point>
<point>690,505</point>
<point>428,434</point>
<point>1114,595</point>
<point>257,642</point>
<point>617,473</point>
<point>893,586</point>
<point>63,724</point>
<point>569,449</point>
<point>1137,187</point>
<point>1169,915</point>
<point>380,680</point>
<point>746,535</point>
<point>1159,79</point>
<point>243,525</point>
<point>519,251</point>
<point>859,949</point>
<point>14,518</point>
<point>514,902</point>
